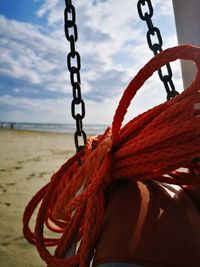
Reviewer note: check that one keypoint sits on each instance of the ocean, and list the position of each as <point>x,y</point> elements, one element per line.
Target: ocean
<point>54,127</point>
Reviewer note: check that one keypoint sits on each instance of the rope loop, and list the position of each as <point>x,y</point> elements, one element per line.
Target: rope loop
<point>185,52</point>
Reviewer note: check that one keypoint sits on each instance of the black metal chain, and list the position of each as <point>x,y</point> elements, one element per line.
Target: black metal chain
<point>156,46</point>
<point>74,66</point>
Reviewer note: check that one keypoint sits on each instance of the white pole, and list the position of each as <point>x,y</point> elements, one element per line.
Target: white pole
<point>187,18</point>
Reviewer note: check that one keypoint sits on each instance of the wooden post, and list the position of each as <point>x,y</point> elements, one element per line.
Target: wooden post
<point>187,18</point>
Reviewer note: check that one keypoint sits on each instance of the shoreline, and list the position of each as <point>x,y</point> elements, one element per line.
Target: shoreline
<point>35,131</point>
<point>67,128</point>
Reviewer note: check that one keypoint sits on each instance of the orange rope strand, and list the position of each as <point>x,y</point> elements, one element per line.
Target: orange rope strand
<point>156,143</point>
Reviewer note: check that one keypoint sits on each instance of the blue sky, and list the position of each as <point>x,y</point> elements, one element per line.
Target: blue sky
<point>34,81</point>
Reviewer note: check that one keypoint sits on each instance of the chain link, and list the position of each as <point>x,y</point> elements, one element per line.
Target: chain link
<point>74,66</point>
<point>74,62</point>
<point>156,45</point>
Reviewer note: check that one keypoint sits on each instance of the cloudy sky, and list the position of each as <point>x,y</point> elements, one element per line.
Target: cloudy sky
<point>34,81</point>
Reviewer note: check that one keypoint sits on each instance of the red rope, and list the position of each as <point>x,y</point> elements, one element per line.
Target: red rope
<point>156,143</point>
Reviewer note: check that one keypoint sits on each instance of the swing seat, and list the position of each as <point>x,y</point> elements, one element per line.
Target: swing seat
<point>149,224</point>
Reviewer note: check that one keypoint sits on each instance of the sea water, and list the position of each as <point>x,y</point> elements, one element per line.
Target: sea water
<point>54,127</point>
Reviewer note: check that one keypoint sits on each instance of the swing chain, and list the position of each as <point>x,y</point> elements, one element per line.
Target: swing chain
<point>74,66</point>
<point>156,46</point>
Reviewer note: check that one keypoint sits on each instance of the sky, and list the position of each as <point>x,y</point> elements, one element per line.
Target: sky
<point>34,79</point>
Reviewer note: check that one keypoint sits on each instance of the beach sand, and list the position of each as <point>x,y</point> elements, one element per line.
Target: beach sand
<point>27,161</point>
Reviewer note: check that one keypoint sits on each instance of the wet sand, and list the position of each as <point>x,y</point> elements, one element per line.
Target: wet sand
<point>27,161</point>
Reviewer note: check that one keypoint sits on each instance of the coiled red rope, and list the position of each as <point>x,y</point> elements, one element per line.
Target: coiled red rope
<point>156,143</point>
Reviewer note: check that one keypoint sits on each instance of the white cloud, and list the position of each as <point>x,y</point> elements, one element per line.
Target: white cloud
<point>50,8</point>
<point>163,8</point>
<point>34,110</point>
<point>112,44</point>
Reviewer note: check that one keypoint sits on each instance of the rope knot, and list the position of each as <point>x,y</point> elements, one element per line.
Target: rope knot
<point>96,162</point>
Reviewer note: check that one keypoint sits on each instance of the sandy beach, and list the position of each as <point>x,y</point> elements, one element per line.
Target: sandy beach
<point>27,161</point>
